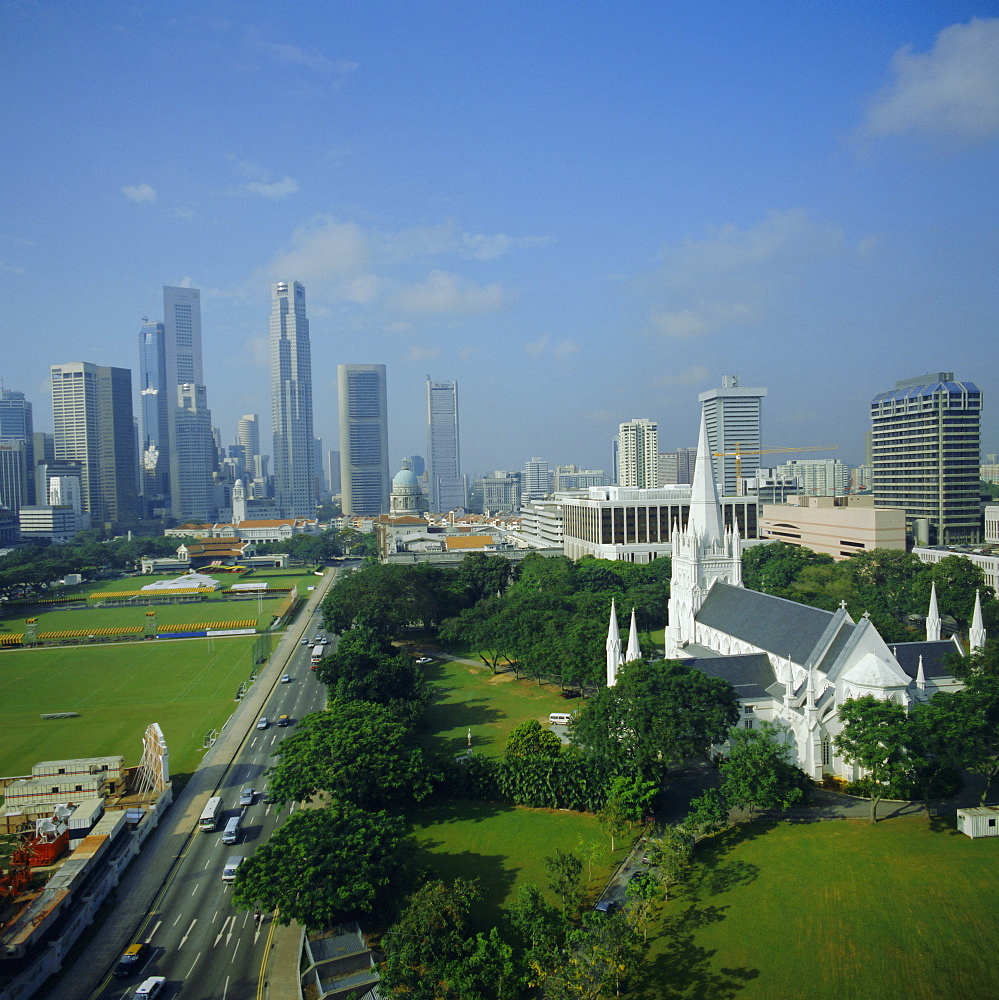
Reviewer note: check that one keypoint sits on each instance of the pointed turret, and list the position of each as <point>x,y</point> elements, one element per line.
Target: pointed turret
<point>705,513</point>
<point>920,676</point>
<point>613,647</point>
<point>977,636</point>
<point>933,617</point>
<point>634,651</point>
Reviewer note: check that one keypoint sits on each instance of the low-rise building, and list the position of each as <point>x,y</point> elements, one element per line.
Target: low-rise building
<point>839,526</point>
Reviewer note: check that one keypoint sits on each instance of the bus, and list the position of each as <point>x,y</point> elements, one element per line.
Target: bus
<point>210,815</point>
<point>317,655</point>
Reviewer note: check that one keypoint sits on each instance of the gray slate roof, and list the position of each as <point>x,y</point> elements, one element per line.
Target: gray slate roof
<point>749,673</point>
<point>933,653</point>
<point>782,627</point>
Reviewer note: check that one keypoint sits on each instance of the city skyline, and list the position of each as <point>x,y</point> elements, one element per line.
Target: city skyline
<point>653,197</point>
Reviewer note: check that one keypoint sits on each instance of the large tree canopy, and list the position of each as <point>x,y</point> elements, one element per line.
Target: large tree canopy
<point>327,865</point>
<point>354,750</point>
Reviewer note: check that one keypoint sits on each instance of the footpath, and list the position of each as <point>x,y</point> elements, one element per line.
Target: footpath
<point>148,873</point>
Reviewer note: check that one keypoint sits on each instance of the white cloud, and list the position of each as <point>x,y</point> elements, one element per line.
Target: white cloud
<point>279,189</point>
<point>429,241</point>
<point>139,193</point>
<point>952,90</point>
<point>324,249</point>
<point>444,292</point>
<point>290,55</point>
<point>694,375</point>
<point>561,350</point>
<point>537,347</point>
<point>732,277</point>
<point>481,246</point>
<point>565,349</point>
<point>423,353</point>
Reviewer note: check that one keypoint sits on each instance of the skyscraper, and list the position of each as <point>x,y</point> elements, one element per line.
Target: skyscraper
<point>638,453</point>
<point>364,467</point>
<point>536,481</point>
<point>926,444</point>
<point>17,483</point>
<point>155,405</point>
<point>447,486</point>
<point>291,402</point>
<point>92,419</point>
<point>733,415</point>
<point>248,433</point>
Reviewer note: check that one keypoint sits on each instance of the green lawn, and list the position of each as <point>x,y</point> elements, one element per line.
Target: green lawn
<point>504,847</point>
<point>186,685</point>
<point>834,910</point>
<point>491,705</point>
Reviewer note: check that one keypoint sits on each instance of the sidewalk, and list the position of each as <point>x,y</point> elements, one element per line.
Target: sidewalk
<point>148,873</point>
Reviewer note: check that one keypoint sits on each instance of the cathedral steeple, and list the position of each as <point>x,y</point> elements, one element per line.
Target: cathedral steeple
<point>933,617</point>
<point>613,647</point>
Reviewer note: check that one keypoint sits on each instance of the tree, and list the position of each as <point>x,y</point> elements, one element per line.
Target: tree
<point>773,568</point>
<point>540,930</point>
<point>600,955</point>
<point>531,739</point>
<point>615,820</point>
<point>327,865</point>
<point>759,772</point>
<point>956,579</point>
<point>670,853</point>
<point>432,936</point>
<point>884,580</point>
<point>564,871</point>
<point>489,972</point>
<point>708,813</point>
<point>354,750</point>
<point>874,737</point>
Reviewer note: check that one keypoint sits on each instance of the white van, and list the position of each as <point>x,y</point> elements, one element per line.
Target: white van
<point>559,718</point>
<point>229,870</point>
<point>150,987</point>
<point>231,832</point>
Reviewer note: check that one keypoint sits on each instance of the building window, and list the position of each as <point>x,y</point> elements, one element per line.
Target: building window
<point>826,754</point>
<point>748,709</point>
<point>747,724</point>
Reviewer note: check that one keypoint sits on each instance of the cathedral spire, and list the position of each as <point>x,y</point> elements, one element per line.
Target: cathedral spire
<point>613,647</point>
<point>920,675</point>
<point>705,513</point>
<point>977,635</point>
<point>933,617</point>
<point>634,651</point>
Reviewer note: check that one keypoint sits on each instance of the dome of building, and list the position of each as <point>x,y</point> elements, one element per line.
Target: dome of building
<point>404,477</point>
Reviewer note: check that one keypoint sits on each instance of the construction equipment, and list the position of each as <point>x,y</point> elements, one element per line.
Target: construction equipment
<point>739,452</point>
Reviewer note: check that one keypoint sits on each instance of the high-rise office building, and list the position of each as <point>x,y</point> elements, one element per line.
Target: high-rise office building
<point>734,419</point>
<point>192,456</point>
<point>638,453</point>
<point>926,445</point>
<point>447,486</point>
<point>92,420</point>
<point>155,412</point>
<point>536,480</point>
<point>18,437</point>
<point>291,402</point>
<point>248,434</point>
<point>364,468</point>
<point>822,477</point>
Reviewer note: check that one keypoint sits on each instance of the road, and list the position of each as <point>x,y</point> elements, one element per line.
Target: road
<point>204,947</point>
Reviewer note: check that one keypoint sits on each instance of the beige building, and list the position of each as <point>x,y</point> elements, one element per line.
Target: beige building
<point>838,526</point>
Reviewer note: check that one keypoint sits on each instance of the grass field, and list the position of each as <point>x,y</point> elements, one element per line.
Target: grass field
<point>903,910</point>
<point>186,685</point>
<point>504,847</point>
<point>491,705</point>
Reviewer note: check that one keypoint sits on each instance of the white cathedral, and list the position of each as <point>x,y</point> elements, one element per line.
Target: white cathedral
<point>789,663</point>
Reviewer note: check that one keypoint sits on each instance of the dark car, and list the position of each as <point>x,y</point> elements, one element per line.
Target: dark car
<point>607,906</point>
<point>132,960</point>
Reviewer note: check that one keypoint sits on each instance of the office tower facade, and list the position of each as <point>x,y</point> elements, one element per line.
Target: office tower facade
<point>248,435</point>
<point>536,480</point>
<point>93,425</point>
<point>570,477</point>
<point>925,449</point>
<point>364,469</point>
<point>447,486</point>
<point>17,436</point>
<point>155,412</point>
<point>333,471</point>
<point>734,418</point>
<point>291,402</point>
<point>638,453</point>
<point>824,477</point>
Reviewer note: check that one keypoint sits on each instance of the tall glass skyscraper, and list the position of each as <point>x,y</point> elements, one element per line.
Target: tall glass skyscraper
<point>155,404</point>
<point>364,467</point>
<point>291,402</point>
<point>17,438</point>
<point>926,450</point>
<point>447,485</point>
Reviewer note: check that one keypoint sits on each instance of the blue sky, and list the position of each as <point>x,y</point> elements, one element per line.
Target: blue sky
<point>584,212</point>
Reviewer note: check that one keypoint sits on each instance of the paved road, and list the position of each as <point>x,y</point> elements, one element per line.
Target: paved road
<point>172,896</point>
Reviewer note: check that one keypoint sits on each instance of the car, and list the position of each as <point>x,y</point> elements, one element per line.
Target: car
<point>324,640</point>
<point>286,678</point>
<point>130,961</point>
<point>263,723</point>
<point>246,796</point>
<point>305,642</point>
<point>284,720</point>
<point>150,988</point>
<point>607,906</point>
<point>570,693</point>
<point>424,659</point>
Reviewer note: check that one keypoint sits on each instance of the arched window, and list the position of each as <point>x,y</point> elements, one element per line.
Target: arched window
<point>826,752</point>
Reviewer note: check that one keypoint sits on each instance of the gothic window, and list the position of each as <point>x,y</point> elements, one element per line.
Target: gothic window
<point>826,753</point>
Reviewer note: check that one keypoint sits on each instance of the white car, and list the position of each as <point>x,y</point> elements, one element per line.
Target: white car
<point>246,796</point>
<point>150,988</point>
<point>263,723</point>
<point>286,678</point>
<point>424,659</point>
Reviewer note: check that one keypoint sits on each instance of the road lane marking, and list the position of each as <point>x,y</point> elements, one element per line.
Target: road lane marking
<point>193,964</point>
<point>221,933</point>
<point>225,989</point>
<point>177,921</point>
<point>153,931</point>
<point>188,934</point>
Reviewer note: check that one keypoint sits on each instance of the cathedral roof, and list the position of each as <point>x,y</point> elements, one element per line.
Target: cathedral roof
<point>933,654</point>
<point>775,624</point>
<point>750,674</point>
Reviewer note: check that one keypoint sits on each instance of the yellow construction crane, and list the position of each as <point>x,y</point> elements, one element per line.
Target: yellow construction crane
<point>739,452</point>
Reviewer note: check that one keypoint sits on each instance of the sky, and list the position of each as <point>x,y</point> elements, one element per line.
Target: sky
<point>584,212</point>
